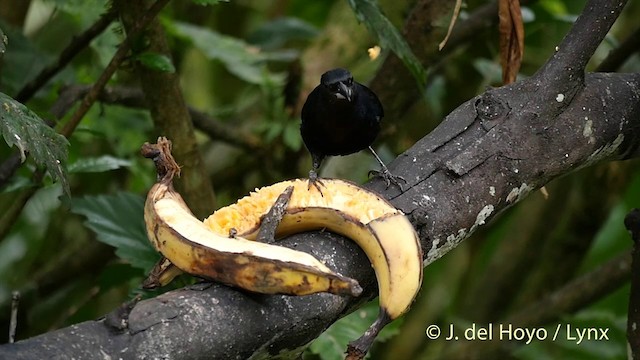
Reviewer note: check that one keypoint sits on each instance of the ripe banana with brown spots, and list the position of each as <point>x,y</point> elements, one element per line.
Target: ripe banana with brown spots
<point>194,248</point>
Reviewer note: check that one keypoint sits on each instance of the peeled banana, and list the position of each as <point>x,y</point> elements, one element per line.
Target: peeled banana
<point>202,248</point>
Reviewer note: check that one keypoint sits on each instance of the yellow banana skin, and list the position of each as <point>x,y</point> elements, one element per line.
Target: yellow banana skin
<point>250,265</point>
<point>162,273</point>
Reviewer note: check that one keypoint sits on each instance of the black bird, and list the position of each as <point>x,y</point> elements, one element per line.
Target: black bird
<point>341,117</point>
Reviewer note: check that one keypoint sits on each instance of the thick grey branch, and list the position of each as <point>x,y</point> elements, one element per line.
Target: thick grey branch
<point>565,70</point>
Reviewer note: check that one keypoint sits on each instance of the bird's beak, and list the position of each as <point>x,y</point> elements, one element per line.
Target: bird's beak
<point>344,92</point>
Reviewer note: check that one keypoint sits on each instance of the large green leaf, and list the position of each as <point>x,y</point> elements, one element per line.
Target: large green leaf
<point>118,220</point>
<point>368,12</point>
<point>241,59</point>
<point>332,344</point>
<point>21,127</point>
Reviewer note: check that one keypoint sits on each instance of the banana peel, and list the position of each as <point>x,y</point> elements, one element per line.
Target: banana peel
<point>193,248</point>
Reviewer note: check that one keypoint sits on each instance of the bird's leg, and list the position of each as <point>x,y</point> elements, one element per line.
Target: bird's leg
<point>386,174</point>
<point>314,180</point>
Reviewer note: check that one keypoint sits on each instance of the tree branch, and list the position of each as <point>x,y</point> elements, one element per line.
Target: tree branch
<point>619,55</point>
<point>8,218</point>
<point>484,157</point>
<point>544,245</point>
<point>131,97</point>
<point>564,72</point>
<point>571,297</point>
<point>9,166</point>
<point>143,21</point>
<point>76,45</point>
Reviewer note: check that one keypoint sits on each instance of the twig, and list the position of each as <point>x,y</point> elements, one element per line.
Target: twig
<point>565,70</point>
<point>231,135</point>
<point>481,18</point>
<point>169,112</point>
<point>452,22</point>
<point>575,295</point>
<point>111,68</point>
<point>13,324</point>
<point>632,223</point>
<point>119,95</point>
<point>76,45</point>
<point>619,55</point>
<point>9,167</point>
<point>133,97</point>
<point>9,217</point>
<point>87,102</point>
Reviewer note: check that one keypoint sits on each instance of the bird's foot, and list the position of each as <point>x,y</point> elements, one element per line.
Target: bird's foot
<point>315,181</point>
<point>389,178</point>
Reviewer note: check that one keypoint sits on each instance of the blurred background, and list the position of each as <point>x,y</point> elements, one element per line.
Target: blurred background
<point>245,68</point>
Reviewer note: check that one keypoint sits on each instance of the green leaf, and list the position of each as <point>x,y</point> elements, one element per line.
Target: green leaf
<point>332,344</point>
<point>368,12</point>
<point>97,165</point>
<point>241,59</point>
<point>21,127</point>
<point>291,136</point>
<point>156,61</point>
<point>118,220</point>
<point>22,61</point>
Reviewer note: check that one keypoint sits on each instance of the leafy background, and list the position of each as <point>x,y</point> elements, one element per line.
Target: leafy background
<point>72,238</point>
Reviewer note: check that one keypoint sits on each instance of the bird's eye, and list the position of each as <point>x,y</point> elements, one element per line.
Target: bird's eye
<point>349,81</point>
